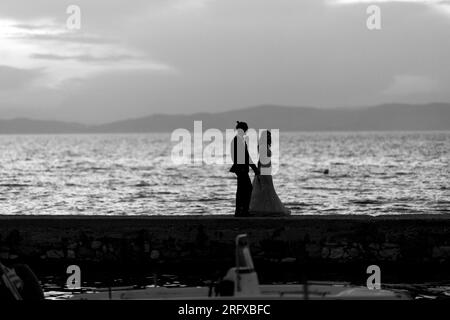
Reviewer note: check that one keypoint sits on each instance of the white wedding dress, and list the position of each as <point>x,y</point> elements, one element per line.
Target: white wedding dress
<point>264,201</point>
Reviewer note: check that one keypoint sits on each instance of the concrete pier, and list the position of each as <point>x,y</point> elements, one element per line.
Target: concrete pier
<point>408,247</point>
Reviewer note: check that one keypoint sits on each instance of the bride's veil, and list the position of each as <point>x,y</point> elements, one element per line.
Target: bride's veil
<point>264,151</point>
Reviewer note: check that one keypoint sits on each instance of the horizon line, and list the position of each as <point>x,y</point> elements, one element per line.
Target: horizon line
<point>220,112</point>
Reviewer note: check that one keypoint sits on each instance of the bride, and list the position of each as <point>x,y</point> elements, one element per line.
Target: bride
<point>264,200</point>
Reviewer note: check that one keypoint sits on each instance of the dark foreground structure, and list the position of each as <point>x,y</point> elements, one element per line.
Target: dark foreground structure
<point>194,250</point>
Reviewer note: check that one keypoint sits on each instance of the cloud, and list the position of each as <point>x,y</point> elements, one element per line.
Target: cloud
<point>49,30</point>
<point>404,85</point>
<point>66,37</point>
<point>84,57</point>
<point>29,26</point>
<point>16,78</point>
<point>381,1</point>
<point>190,4</point>
<point>67,54</point>
<point>99,11</point>
<point>172,56</point>
<point>427,2</point>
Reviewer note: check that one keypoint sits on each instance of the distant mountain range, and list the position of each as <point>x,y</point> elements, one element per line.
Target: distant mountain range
<point>387,117</point>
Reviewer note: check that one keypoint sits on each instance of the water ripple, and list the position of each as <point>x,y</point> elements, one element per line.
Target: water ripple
<point>368,173</point>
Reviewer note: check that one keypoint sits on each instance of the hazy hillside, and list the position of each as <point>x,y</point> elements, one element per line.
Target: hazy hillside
<point>384,117</point>
<point>25,126</point>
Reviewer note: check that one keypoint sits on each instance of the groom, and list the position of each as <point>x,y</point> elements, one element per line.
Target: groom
<point>241,164</point>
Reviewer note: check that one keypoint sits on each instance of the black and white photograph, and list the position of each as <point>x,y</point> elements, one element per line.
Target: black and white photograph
<point>224,151</point>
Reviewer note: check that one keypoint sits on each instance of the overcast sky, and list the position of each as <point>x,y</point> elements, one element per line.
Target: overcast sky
<point>139,57</point>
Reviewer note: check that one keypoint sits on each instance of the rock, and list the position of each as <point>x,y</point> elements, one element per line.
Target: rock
<point>54,254</point>
<point>288,260</point>
<point>84,252</point>
<point>441,252</point>
<point>28,251</point>
<point>185,253</point>
<point>313,250</point>
<point>390,254</point>
<point>72,245</point>
<point>71,254</point>
<point>325,253</point>
<point>96,244</point>
<point>109,256</point>
<point>354,252</point>
<point>373,250</point>
<point>98,254</point>
<point>13,238</point>
<point>154,255</point>
<point>337,253</point>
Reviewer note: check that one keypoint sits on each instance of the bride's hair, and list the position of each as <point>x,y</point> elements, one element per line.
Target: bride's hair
<point>264,143</point>
<point>265,138</point>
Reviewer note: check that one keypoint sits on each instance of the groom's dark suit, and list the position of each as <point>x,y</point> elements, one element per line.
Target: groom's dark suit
<point>241,164</point>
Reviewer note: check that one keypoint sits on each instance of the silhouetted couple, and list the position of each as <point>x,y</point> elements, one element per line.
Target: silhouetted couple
<point>259,199</point>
